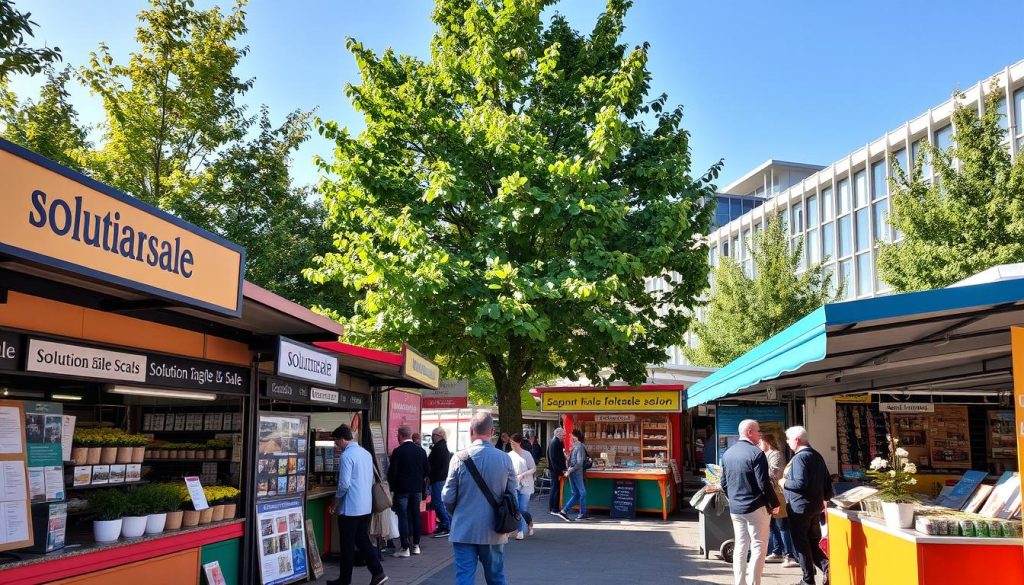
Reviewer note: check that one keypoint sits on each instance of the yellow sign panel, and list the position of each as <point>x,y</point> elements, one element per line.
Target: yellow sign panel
<point>56,217</point>
<point>1017,352</point>
<point>854,398</point>
<point>416,367</point>
<point>655,401</point>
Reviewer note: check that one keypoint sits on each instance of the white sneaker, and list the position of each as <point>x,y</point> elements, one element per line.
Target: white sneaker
<point>774,558</point>
<point>401,553</point>
<point>529,531</point>
<point>790,563</point>
<point>519,536</point>
<point>415,549</point>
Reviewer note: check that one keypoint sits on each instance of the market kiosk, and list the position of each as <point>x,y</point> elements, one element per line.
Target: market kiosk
<point>933,369</point>
<point>632,433</point>
<point>127,334</point>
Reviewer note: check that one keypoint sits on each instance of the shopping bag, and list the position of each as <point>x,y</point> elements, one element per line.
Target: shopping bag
<point>393,519</point>
<point>697,497</point>
<point>380,492</point>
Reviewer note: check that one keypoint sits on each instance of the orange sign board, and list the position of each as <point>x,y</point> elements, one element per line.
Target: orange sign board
<point>57,217</point>
<point>1017,349</point>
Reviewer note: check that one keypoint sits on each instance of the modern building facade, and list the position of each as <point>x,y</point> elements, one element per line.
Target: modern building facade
<point>842,210</point>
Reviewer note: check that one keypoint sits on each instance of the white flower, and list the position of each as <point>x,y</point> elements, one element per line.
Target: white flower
<point>909,468</point>
<point>912,481</point>
<point>879,463</point>
<point>901,452</point>
<point>892,473</point>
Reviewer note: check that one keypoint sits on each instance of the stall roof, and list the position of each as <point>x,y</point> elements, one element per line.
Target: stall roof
<point>381,368</point>
<point>937,341</point>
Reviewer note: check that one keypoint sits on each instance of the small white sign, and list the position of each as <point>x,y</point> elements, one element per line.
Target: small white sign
<point>614,417</point>
<point>89,362</point>
<point>905,407</point>
<point>195,490</point>
<point>323,395</point>
<point>305,363</point>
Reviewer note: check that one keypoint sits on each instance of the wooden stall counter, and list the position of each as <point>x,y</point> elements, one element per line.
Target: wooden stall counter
<point>864,551</point>
<point>654,488</point>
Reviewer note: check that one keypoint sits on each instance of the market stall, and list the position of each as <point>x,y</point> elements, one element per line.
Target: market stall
<point>934,371</point>
<point>126,370</point>
<point>632,433</point>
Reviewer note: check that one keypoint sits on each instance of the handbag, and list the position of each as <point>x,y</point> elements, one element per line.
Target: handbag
<point>506,509</point>
<point>381,492</point>
<point>587,461</point>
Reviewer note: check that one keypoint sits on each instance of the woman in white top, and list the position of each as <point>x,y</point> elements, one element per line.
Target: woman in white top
<point>522,461</point>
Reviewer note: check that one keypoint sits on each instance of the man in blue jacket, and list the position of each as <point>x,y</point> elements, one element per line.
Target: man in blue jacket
<point>752,501</point>
<point>808,488</point>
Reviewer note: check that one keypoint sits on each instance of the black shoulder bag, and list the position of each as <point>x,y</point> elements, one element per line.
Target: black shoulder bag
<point>506,511</point>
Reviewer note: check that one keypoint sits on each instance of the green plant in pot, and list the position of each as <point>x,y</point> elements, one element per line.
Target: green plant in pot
<point>106,508</point>
<point>159,500</point>
<point>137,508</point>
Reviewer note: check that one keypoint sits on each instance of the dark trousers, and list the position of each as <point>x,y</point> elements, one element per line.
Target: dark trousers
<point>806,532</point>
<point>553,505</point>
<point>353,533</point>
<point>410,523</point>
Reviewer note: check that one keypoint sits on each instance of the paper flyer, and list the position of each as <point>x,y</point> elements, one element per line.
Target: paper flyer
<point>214,574</point>
<point>54,478</point>
<point>11,434</point>
<point>55,527</point>
<point>282,541</point>
<point>14,522</point>
<point>82,475</point>
<point>195,489</point>
<point>36,484</point>
<point>67,433</point>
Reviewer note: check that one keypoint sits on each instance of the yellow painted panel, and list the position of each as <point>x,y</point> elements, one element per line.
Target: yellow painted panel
<point>225,350</point>
<point>42,315</point>
<point>862,555</point>
<point>131,332</point>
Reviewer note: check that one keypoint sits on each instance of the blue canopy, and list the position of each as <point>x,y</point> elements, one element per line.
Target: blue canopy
<point>951,337</point>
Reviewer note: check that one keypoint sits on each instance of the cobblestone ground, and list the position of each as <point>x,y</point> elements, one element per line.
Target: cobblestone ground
<point>597,552</point>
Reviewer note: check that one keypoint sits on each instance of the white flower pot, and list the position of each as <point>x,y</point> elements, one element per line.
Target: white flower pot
<point>106,530</point>
<point>133,527</point>
<point>155,523</point>
<point>898,515</point>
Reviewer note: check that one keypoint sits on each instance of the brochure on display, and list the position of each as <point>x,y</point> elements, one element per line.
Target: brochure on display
<point>282,540</point>
<point>281,465</point>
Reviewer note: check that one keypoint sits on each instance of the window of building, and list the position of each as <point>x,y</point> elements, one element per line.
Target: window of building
<point>916,150</point>
<point>846,278</point>
<point>1018,116</point>
<point>863,230</point>
<point>783,216</point>
<point>880,210</point>
<point>798,218</point>
<point>812,211</point>
<point>833,279</point>
<point>828,241</point>
<point>736,249</point>
<point>864,274</point>
<point>860,189</point>
<point>828,205</point>
<point>813,247</point>
<point>944,137</point>
<point>725,248</point>
<point>879,188</point>
<point>845,236</point>
<point>746,244</point>
<point>900,158</point>
<point>713,256</point>
<point>880,285</point>
<point>844,196</point>
<point>1004,122</point>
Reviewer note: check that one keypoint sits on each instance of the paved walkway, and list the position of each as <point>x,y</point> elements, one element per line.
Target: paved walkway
<point>597,552</point>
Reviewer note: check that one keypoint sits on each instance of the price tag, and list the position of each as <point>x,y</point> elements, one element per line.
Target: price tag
<point>195,489</point>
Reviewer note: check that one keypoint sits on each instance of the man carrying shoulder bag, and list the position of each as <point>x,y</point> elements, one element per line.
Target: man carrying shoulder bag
<point>473,530</point>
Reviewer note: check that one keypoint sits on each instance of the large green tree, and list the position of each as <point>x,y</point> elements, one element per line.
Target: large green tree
<point>510,195</point>
<point>743,311</point>
<point>16,56</point>
<point>48,125</point>
<point>970,218</point>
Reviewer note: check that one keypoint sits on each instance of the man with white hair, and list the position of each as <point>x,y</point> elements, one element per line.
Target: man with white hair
<point>807,487</point>
<point>556,467</point>
<point>752,501</point>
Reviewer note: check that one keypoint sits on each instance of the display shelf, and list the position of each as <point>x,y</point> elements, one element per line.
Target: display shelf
<point>105,485</point>
<point>194,460</point>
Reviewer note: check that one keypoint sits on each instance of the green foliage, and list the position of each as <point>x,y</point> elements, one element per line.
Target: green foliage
<point>157,498</point>
<point>894,476</point>
<point>48,126</point>
<point>15,54</point>
<point>970,219</point>
<point>109,504</point>
<point>742,312</point>
<point>508,197</point>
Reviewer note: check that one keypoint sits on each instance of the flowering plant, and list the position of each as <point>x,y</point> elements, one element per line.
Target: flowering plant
<point>894,476</point>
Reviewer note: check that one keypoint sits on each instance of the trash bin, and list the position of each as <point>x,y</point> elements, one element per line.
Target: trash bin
<point>715,526</point>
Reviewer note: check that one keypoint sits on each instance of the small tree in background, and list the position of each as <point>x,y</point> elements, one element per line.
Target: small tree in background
<point>744,311</point>
<point>970,219</point>
<point>16,56</point>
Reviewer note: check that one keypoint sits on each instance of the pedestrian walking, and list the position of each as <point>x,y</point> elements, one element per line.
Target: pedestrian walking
<point>439,460</point>
<point>522,462</point>
<point>556,467</point>
<point>504,442</point>
<point>780,542</point>
<point>353,504</point>
<point>808,488</point>
<point>535,448</point>
<point>575,468</point>
<point>472,528</point>
<point>752,501</point>
<point>407,476</point>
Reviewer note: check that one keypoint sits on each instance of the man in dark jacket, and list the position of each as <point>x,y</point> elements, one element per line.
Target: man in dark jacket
<point>808,488</point>
<point>439,460</point>
<point>407,475</point>
<point>752,501</point>
<point>535,448</point>
<point>556,467</point>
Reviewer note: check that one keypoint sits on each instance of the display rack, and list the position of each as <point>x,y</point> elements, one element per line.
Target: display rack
<point>654,439</point>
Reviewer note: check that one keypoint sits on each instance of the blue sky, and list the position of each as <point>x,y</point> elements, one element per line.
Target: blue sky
<point>792,79</point>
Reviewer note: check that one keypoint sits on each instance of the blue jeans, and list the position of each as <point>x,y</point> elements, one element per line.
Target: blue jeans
<point>579,493</point>
<point>443,521</point>
<point>524,510</point>
<point>491,556</point>
<point>407,507</point>
<point>781,525</point>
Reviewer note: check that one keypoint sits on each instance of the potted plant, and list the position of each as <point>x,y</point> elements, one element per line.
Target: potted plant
<point>106,507</point>
<point>172,451</point>
<point>175,503</point>
<point>124,447</point>
<point>219,447</point>
<point>214,494</point>
<point>187,451</point>
<point>136,509</point>
<point>138,444</point>
<point>160,499</point>
<point>191,516</point>
<point>230,500</point>
<point>893,478</point>
<point>89,440</point>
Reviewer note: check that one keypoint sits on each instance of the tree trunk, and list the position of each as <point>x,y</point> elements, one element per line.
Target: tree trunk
<point>510,406</point>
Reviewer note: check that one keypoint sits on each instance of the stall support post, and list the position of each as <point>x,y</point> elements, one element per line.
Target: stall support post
<point>1017,352</point>
<point>250,438</point>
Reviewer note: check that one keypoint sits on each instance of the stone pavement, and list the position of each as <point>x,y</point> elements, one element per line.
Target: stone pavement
<point>602,551</point>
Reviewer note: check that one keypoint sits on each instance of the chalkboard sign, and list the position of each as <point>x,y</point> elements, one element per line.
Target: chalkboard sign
<point>624,499</point>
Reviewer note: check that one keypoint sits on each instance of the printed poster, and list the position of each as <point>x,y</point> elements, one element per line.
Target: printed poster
<point>15,484</point>
<point>56,527</point>
<point>282,541</point>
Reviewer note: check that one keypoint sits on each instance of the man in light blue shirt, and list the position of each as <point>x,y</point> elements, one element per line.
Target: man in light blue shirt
<point>472,523</point>
<point>353,503</point>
